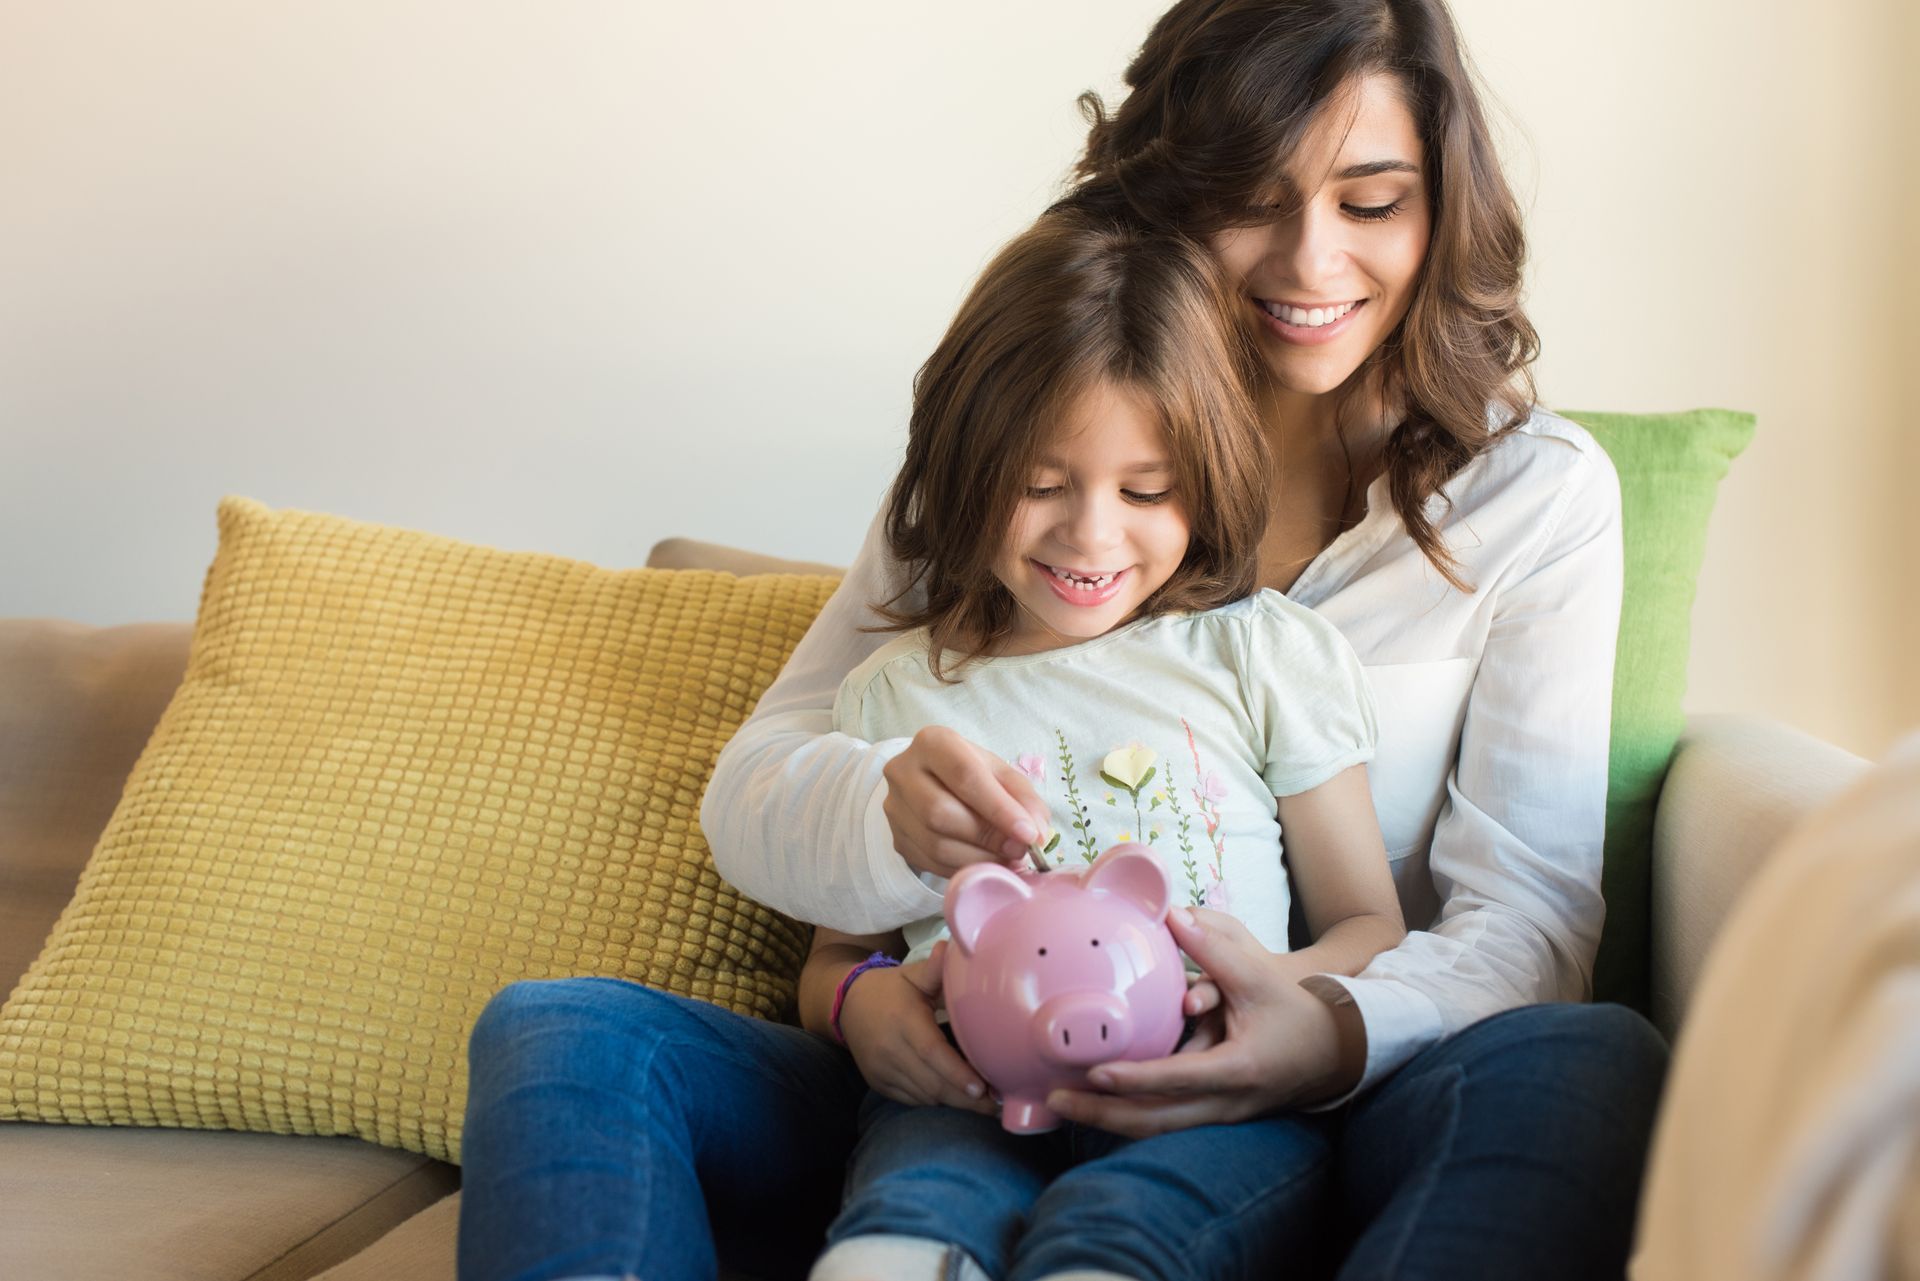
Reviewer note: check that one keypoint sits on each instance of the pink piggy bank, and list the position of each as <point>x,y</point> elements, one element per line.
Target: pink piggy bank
<point>1051,973</point>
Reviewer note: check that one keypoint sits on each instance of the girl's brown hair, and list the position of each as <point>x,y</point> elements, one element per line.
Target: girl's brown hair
<point>1219,97</point>
<point>1072,303</point>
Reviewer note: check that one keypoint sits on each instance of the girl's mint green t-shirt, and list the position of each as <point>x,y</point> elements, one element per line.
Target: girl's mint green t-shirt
<point>1177,732</point>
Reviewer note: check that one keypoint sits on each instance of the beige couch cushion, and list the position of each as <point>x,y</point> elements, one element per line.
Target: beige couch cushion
<point>76,706</point>
<point>421,1249</point>
<point>426,1248</point>
<point>1736,785</point>
<point>190,1205</point>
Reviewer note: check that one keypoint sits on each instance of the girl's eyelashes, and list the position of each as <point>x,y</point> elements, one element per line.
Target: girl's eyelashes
<point>1131,495</point>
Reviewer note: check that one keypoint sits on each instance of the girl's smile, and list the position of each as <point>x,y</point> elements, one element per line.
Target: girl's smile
<point>1100,529</point>
<point>1082,587</point>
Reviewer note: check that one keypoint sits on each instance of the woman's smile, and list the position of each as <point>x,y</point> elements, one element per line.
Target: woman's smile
<point>1308,326</point>
<point>1333,271</point>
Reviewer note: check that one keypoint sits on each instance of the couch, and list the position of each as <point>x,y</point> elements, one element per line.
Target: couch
<point>76,706</point>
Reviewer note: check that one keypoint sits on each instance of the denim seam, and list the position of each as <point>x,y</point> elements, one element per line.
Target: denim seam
<point>1431,1178</point>
<point>644,1072</point>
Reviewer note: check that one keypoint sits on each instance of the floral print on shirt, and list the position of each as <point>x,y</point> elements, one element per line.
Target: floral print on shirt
<point>1130,770</point>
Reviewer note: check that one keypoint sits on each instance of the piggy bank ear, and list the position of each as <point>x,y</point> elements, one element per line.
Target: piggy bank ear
<point>1134,873</point>
<point>974,894</point>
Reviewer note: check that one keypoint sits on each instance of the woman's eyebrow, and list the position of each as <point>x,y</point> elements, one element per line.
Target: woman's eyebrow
<point>1372,167</point>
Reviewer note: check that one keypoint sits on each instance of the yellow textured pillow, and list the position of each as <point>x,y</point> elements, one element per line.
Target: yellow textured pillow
<point>402,771</point>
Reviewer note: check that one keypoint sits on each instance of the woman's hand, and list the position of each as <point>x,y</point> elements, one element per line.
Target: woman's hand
<point>1268,1043</point>
<point>951,802</point>
<point>887,1019</point>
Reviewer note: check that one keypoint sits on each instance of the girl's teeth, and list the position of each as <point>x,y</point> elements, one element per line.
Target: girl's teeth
<point>1084,584</point>
<point>1308,317</point>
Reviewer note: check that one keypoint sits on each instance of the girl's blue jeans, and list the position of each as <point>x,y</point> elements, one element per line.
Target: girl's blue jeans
<point>613,1130</point>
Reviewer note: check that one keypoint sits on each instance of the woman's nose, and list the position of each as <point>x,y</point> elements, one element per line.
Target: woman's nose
<point>1309,246</point>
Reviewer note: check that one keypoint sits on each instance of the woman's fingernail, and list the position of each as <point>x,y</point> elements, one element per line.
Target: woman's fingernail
<point>1027,833</point>
<point>1012,848</point>
<point>1183,916</point>
<point>974,1090</point>
<point>1100,1080</point>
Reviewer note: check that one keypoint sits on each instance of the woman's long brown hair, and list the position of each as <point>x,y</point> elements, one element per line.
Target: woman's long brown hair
<point>1075,302</point>
<point>1219,97</point>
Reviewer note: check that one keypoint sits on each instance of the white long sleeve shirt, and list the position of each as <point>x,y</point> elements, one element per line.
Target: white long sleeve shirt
<point>1490,773</point>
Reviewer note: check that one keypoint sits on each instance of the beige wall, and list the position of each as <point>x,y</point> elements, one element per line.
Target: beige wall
<point>1719,218</point>
<point>576,276</point>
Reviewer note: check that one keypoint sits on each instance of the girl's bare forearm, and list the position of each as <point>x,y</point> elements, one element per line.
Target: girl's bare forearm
<point>833,954</point>
<point>1350,944</point>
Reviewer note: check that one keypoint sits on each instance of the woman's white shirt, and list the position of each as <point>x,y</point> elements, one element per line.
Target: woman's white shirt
<point>1490,775</point>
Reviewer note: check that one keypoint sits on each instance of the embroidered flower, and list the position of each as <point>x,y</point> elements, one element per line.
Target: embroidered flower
<point>1218,898</point>
<point>1215,790</point>
<point>1033,765</point>
<point>1128,765</point>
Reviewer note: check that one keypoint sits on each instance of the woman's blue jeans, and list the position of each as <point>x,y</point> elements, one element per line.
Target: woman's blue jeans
<point>614,1131</point>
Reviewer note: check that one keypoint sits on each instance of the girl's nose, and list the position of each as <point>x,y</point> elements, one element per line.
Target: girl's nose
<point>1092,524</point>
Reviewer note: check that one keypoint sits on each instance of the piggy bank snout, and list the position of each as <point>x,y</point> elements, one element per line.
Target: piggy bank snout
<point>1079,1029</point>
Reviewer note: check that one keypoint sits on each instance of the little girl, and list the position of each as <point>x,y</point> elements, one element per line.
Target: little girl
<point>1081,508</point>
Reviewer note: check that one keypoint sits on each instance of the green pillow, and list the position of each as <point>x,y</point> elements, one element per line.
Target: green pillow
<point>1670,466</point>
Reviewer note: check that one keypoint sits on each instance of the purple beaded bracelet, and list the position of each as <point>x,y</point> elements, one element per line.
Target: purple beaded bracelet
<point>878,961</point>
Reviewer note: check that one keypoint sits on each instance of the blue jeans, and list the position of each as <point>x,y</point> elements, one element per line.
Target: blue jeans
<point>1513,1148</point>
<point>612,1130</point>
<point>1246,1200</point>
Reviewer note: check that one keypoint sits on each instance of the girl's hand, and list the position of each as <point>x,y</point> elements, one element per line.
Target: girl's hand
<point>951,802</point>
<point>888,1021</point>
<point>1269,1044</point>
<point>1203,996</point>
<point>1202,1005</point>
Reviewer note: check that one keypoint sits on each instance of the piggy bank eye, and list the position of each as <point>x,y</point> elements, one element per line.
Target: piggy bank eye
<point>1096,942</point>
<point>1043,951</point>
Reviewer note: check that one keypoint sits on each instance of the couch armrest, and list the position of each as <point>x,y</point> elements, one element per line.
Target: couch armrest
<point>691,553</point>
<point>1737,783</point>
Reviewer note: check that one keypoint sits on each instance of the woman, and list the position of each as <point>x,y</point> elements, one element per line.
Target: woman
<point>1476,1120</point>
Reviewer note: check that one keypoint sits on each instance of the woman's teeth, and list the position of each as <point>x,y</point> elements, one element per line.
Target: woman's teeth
<point>1307,317</point>
<point>1084,584</point>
